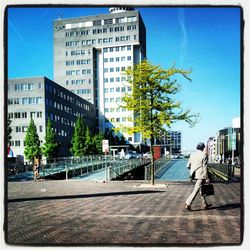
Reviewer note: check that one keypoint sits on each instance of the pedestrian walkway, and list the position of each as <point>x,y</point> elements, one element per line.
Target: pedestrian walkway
<point>130,213</point>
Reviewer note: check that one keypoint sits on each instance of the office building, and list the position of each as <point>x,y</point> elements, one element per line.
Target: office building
<point>173,141</point>
<point>41,99</point>
<point>90,55</point>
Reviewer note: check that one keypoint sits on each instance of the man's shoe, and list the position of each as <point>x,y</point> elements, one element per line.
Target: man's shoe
<point>206,206</point>
<point>188,208</point>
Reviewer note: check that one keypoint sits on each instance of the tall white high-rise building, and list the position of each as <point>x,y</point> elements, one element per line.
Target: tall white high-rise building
<point>90,55</point>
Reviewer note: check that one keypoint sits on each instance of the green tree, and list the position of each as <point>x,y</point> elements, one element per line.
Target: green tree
<point>9,131</point>
<point>50,146</point>
<point>32,148</point>
<point>89,143</point>
<point>152,103</point>
<point>79,137</point>
<point>98,143</point>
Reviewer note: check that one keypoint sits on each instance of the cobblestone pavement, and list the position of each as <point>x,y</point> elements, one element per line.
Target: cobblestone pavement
<point>120,213</point>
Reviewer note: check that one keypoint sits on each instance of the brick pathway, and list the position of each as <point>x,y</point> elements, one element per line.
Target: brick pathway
<point>119,213</point>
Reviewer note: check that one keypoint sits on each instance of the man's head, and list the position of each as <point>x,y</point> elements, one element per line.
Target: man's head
<point>200,146</point>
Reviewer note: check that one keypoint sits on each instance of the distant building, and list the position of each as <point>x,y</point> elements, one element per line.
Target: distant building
<point>173,141</point>
<point>90,55</point>
<point>212,149</point>
<point>42,99</point>
<point>228,141</point>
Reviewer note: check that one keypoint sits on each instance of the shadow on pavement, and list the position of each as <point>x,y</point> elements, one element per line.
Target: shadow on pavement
<point>223,207</point>
<point>83,196</point>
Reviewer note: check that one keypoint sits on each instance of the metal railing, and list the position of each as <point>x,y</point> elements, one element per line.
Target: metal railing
<point>223,171</point>
<point>158,165</point>
<point>73,165</point>
<point>116,169</point>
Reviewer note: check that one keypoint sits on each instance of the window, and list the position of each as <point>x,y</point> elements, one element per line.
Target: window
<point>131,19</point>
<point>129,58</point>
<point>40,128</point>
<point>97,22</point>
<point>117,69</point>
<point>105,50</point>
<point>108,21</point>
<point>10,115</point>
<point>24,128</point>
<point>32,114</point>
<point>111,69</point>
<point>111,79</point>
<point>17,115</point>
<point>111,59</point>
<point>18,129</point>
<point>17,143</point>
<point>117,59</point>
<point>111,90</point>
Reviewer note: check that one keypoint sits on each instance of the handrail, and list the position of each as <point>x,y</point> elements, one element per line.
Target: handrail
<point>223,171</point>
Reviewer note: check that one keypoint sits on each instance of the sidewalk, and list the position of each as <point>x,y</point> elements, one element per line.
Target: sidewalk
<point>120,213</point>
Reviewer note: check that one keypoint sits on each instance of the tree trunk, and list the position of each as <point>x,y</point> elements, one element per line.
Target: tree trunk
<point>152,169</point>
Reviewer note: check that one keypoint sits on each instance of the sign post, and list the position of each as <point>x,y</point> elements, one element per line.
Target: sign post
<point>233,145</point>
<point>105,149</point>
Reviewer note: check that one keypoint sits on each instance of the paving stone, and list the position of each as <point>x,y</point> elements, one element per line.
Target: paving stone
<point>120,213</point>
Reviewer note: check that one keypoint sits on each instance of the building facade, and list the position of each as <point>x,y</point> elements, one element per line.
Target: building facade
<point>173,141</point>
<point>41,99</point>
<point>90,55</point>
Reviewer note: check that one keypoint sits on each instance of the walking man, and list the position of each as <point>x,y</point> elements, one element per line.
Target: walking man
<point>197,164</point>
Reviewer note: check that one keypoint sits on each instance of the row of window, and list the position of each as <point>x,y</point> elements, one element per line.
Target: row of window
<point>23,86</point>
<point>78,72</point>
<point>118,119</point>
<point>78,82</point>
<point>113,110</point>
<point>101,22</point>
<point>25,100</point>
<point>115,20</point>
<point>116,69</point>
<point>17,143</point>
<point>78,52</point>
<point>23,129</point>
<point>66,97</point>
<point>114,29</point>
<point>117,89</point>
<point>117,49</point>
<point>77,62</point>
<point>117,59</point>
<point>112,100</point>
<point>23,115</point>
<point>117,79</point>
<point>99,41</point>
<point>81,91</point>
<point>66,109</point>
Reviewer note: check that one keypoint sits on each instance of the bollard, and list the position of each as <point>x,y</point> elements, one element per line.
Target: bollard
<point>66,173</point>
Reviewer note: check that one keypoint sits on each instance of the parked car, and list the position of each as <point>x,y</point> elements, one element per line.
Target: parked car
<point>147,155</point>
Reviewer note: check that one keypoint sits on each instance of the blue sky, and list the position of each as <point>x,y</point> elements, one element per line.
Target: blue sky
<point>206,40</point>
